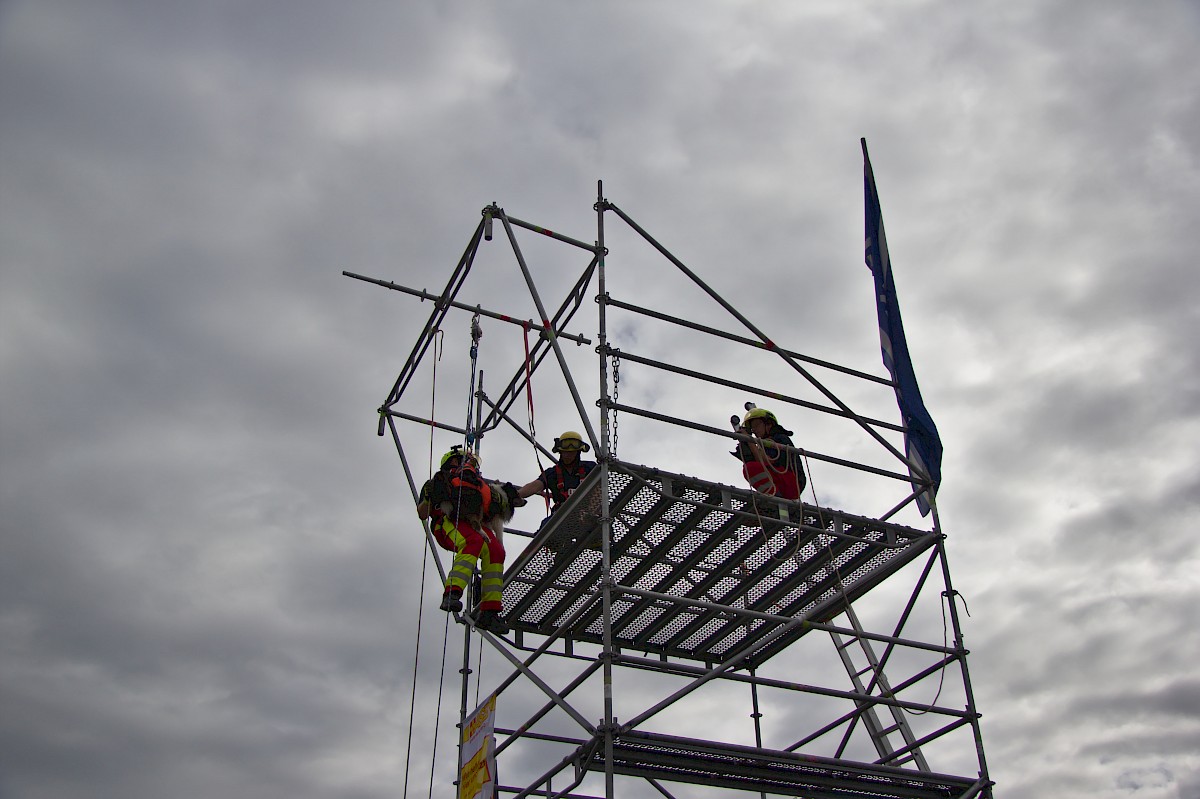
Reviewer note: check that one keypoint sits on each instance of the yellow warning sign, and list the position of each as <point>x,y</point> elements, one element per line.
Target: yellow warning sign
<point>477,772</point>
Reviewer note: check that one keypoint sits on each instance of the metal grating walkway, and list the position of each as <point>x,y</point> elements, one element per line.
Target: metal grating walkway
<point>748,768</point>
<point>718,573</point>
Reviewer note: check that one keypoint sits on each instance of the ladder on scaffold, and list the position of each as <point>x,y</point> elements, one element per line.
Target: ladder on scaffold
<point>881,733</point>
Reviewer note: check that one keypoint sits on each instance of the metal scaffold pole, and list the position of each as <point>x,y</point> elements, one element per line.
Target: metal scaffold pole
<point>605,520</point>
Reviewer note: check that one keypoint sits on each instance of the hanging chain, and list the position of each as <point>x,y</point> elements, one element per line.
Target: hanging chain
<point>616,372</point>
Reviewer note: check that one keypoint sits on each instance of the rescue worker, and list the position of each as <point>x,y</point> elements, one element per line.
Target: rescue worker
<point>561,479</point>
<point>454,500</point>
<point>768,468</point>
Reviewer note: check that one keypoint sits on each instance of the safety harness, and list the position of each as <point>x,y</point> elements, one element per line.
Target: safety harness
<point>460,492</point>
<point>559,490</point>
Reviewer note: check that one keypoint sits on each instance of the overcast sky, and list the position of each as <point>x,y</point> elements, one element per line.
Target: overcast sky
<point>209,562</point>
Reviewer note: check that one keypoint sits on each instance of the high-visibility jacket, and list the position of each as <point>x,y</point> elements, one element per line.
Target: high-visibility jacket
<point>780,476</point>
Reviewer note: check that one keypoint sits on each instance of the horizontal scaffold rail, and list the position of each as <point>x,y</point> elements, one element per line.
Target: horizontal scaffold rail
<point>544,328</point>
<point>659,417</point>
<point>712,331</point>
<point>627,356</point>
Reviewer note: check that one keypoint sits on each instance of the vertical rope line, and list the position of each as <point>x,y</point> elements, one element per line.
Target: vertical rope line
<point>942,671</point>
<point>412,702</point>
<point>437,718</point>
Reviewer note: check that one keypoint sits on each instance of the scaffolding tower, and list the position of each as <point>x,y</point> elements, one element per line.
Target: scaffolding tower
<point>654,604</point>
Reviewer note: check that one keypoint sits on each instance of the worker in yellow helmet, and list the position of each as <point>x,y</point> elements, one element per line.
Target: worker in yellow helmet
<point>766,466</point>
<point>560,480</point>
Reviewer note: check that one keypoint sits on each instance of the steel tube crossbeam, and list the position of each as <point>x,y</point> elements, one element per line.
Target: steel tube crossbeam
<point>584,749</point>
<point>565,313</point>
<point>709,676</point>
<point>862,467</point>
<point>543,649</point>
<point>434,322</point>
<point>540,683</point>
<point>546,708</point>
<point>501,790</point>
<point>553,339</point>
<point>558,236</point>
<point>685,670</point>
<point>439,299</point>
<point>712,331</point>
<point>977,788</point>
<point>410,418</point>
<point>767,342</point>
<point>513,424</point>
<point>918,743</point>
<point>541,736</point>
<point>625,355</point>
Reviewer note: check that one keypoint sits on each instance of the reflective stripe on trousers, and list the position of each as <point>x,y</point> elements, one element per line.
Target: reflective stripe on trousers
<point>471,545</point>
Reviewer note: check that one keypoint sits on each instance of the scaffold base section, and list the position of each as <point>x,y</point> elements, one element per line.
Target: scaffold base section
<point>704,571</point>
<point>672,759</point>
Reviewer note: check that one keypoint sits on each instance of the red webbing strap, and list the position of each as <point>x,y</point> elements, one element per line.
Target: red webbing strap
<point>529,408</point>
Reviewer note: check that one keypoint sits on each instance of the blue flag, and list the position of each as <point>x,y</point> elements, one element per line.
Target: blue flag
<point>922,444</point>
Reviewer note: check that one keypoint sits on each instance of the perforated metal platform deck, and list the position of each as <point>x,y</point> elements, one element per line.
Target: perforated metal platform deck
<point>722,570</point>
<point>748,768</point>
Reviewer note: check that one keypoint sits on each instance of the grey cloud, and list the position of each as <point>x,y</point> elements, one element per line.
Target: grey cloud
<point>211,570</point>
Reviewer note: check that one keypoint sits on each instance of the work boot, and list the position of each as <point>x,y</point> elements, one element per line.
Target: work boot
<point>451,602</point>
<point>490,620</point>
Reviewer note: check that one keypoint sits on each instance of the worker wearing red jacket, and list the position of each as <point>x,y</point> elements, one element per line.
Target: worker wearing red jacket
<point>768,467</point>
<point>455,500</point>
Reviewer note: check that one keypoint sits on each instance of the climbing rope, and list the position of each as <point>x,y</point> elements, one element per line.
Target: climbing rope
<point>412,701</point>
<point>437,718</point>
<point>438,338</point>
<point>945,645</point>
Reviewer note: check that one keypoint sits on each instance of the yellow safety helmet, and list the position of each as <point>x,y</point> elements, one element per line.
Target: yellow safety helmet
<point>571,441</point>
<point>458,452</point>
<point>759,413</point>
